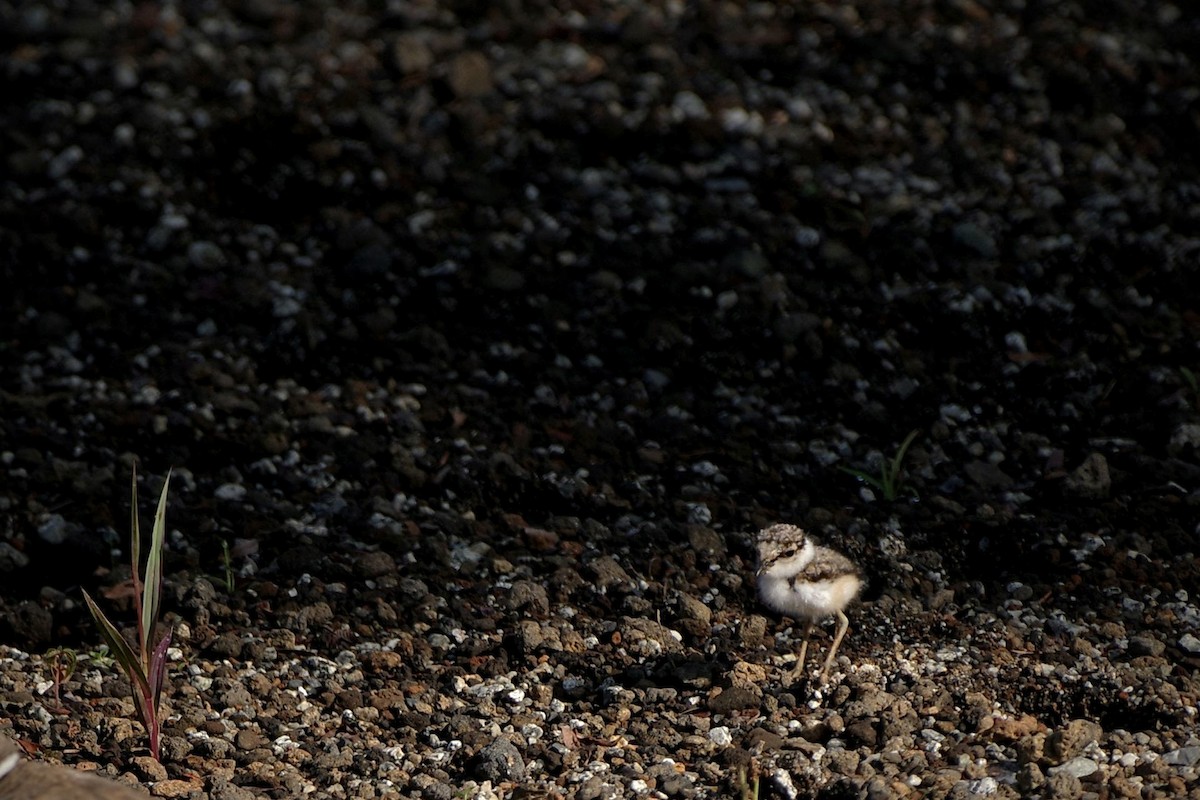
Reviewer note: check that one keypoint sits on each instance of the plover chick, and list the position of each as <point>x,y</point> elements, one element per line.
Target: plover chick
<point>800,579</point>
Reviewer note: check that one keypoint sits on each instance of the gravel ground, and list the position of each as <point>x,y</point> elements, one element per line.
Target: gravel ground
<point>483,337</point>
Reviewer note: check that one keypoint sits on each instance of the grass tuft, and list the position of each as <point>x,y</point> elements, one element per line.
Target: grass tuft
<point>147,666</point>
<point>890,480</point>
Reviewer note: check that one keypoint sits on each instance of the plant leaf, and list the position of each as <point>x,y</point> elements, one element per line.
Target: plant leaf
<point>899,458</point>
<point>120,649</point>
<point>158,666</point>
<point>135,559</point>
<point>864,476</point>
<point>152,589</point>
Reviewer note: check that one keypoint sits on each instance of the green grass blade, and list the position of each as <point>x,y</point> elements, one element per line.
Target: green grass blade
<point>1190,378</point>
<point>120,648</point>
<point>152,590</point>
<point>864,476</point>
<point>135,535</point>
<point>135,560</point>
<point>899,458</point>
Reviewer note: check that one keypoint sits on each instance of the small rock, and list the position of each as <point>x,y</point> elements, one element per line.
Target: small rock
<point>1031,748</point>
<point>645,637</point>
<point>689,607</point>
<point>1190,643</point>
<point>1090,481</point>
<point>676,785</point>
<point>529,597</point>
<point>382,661</point>
<point>531,636</point>
<point>500,761</point>
<point>1006,729</point>
<point>899,719</point>
<point>53,529</point>
<point>32,780</point>
<point>870,705</point>
<point>375,564</point>
<point>11,558</point>
<point>411,54</point>
<point>975,239</point>
<point>720,736</point>
<point>226,645</point>
<point>1079,766</point>
<point>176,788</point>
<point>1019,591</point>
<point>732,700</point>
<point>175,748</point>
<point>1145,645</point>
<point>1185,438</point>
<point>249,739</point>
<point>863,732</point>
<point>706,541</point>
<point>765,741</point>
<point>221,788</point>
<point>1030,777</point>
<point>149,768</point>
<point>230,491</point>
<point>748,676</point>
<point>987,475</point>
<point>983,786</point>
<point>438,791</point>
<point>31,623</point>
<point>205,255</point>
<point>348,699</point>
<point>607,572</point>
<point>752,630</point>
<point>1183,757</point>
<point>1065,787</point>
<point>1068,742</point>
<point>469,74</point>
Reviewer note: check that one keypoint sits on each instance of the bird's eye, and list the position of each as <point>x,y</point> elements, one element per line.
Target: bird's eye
<point>791,551</point>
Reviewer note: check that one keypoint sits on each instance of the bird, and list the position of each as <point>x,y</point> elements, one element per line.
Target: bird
<point>801,579</point>
<point>32,780</point>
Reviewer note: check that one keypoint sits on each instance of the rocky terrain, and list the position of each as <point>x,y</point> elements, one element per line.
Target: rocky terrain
<point>481,338</point>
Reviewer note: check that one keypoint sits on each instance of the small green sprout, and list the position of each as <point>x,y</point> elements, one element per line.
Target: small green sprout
<point>1193,383</point>
<point>62,662</point>
<point>748,785</point>
<point>145,668</point>
<point>1189,378</point>
<point>227,562</point>
<point>100,658</point>
<point>890,480</point>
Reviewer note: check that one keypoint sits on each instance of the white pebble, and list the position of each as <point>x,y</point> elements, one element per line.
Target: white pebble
<point>230,491</point>
<point>720,736</point>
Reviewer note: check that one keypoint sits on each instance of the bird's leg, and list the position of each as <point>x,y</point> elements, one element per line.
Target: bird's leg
<point>798,670</point>
<point>843,624</point>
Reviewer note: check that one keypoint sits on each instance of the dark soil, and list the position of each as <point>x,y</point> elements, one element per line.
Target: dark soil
<point>481,340</point>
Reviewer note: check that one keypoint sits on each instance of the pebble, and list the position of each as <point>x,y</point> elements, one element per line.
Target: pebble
<point>1091,479</point>
<point>1079,766</point>
<point>1183,756</point>
<point>720,736</point>
<point>1190,643</point>
<point>1069,741</point>
<point>500,761</point>
<point>230,491</point>
<point>54,529</point>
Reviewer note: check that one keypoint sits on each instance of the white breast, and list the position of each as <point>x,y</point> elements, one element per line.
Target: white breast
<point>807,601</point>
